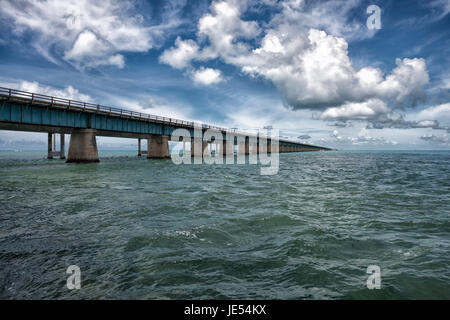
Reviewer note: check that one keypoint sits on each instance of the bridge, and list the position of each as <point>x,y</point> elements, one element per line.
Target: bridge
<point>26,111</point>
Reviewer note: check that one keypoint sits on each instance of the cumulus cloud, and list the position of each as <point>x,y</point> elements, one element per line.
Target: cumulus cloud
<point>441,112</point>
<point>206,76</point>
<point>379,116</point>
<point>181,54</point>
<point>310,67</point>
<point>369,110</point>
<point>83,32</point>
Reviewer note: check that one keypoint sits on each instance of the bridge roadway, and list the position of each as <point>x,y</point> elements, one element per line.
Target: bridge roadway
<point>26,111</point>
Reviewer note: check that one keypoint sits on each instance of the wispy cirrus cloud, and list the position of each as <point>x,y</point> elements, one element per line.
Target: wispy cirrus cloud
<point>85,33</point>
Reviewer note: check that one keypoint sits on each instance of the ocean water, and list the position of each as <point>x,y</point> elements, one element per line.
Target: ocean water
<point>141,229</point>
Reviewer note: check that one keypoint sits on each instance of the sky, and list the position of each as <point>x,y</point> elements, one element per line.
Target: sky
<point>331,73</point>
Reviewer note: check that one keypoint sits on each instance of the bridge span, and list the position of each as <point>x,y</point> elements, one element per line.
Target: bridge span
<point>26,111</point>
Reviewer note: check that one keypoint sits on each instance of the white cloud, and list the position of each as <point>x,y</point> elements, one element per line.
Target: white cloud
<point>35,87</point>
<point>441,139</point>
<point>369,110</point>
<point>83,32</point>
<point>178,57</point>
<point>441,112</point>
<point>380,116</point>
<point>310,67</point>
<point>206,76</point>
<point>315,73</point>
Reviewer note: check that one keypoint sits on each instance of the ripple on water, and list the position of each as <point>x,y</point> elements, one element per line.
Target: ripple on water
<point>151,229</point>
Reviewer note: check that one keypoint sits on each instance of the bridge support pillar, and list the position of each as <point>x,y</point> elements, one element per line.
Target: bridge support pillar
<point>83,146</point>
<point>242,147</point>
<point>247,146</point>
<point>52,147</point>
<point>196,147</point>
<point>140,151</point>
<point>158,147</point>
<point>262,146</point>
<point>228,148</point>
<point>50,155</point>
<point>205,151</point>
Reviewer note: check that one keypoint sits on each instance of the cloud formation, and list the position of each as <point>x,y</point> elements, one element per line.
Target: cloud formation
<point>442,139</point>
<point>363,138</point>
<point>310,67</point>
<point>83,32</point>
<point>441,112</point>
<point>206,76</point>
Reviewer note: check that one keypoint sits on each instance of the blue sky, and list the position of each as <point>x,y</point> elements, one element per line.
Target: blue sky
<point>312,69</point>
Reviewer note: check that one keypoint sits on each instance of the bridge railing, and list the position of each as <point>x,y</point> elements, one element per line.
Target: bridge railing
<point>86,106</point>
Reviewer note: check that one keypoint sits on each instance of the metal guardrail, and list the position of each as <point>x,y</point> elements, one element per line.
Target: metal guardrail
<point>86,106</point>
<point>97,108</point>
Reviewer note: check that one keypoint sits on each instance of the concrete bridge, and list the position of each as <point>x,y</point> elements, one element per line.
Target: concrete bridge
<point>25,111</point>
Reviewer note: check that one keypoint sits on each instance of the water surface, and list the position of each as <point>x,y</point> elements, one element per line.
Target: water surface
<point>149,229</point>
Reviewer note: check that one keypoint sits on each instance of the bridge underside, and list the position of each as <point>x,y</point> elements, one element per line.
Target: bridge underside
<point>83,146</point>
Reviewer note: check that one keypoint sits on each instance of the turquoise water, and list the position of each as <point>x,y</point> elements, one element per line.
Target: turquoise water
<point>141,229</point>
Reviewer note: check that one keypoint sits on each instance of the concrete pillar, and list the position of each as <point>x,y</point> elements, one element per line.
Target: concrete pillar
<point>219,148</point>
<point>262,146</point>
<point>247,146</point>
<point>140,151</point>
<point>83,146</point>
<point>196,147</point>
<point>62,154</point>
<point>241,147</point>
<point>139,147</point>
<point>228,148</point>
<point>205,149</point>
<point>49,147</point>
<point>158,147</point>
